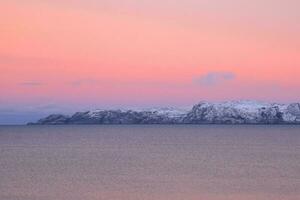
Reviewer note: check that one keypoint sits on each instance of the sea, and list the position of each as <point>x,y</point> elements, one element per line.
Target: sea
<point>150,162</point>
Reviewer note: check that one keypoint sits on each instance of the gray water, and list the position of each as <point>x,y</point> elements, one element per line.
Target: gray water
<point>150,162</point>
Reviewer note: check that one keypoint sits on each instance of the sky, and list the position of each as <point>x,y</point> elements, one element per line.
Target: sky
<point>62,56</point>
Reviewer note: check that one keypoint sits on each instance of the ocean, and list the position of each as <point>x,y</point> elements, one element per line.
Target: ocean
<point>150,162</point>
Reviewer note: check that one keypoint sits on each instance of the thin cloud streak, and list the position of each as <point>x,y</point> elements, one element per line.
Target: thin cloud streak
<point>81,82</point>
<point>32,84</point>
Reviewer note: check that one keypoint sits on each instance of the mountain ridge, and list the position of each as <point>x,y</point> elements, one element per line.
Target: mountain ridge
<point>205,112</point>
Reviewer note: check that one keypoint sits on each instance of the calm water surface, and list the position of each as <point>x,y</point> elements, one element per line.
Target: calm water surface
<point>149,162</point>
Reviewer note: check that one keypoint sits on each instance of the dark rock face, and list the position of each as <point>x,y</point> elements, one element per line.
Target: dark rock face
<point>233,112</point>
<point>271,115</point>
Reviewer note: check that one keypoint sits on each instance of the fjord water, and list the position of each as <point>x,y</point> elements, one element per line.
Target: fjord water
<point>184,162</point>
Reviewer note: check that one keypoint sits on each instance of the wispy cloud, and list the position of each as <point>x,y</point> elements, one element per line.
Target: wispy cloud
<point>214,78</point>
<point>81,82</point>
<point>32,83</point>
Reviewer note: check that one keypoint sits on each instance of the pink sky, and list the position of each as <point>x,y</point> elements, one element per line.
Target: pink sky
<point>148,52</point>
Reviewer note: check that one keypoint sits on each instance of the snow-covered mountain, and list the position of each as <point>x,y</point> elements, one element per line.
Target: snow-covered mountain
<point>230,112</point>
<point>244,112</point>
